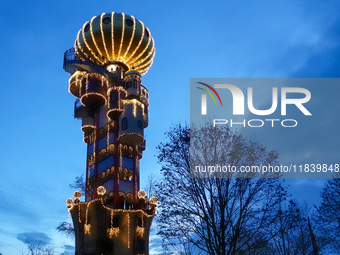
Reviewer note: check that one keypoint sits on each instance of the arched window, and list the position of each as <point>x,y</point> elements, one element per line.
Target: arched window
<point>124,123</point>
<point>140,124</point>
<point>114,97</point>
<point>129,84</point>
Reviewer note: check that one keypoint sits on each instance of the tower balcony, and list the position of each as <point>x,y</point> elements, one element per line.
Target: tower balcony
<point>80,110</point>
<point>75,62</point>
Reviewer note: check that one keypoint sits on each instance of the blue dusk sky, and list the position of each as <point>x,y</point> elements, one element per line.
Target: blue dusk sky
<point>42,148</point>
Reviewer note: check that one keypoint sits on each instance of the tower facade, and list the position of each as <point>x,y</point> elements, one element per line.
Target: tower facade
<point>111,54</point>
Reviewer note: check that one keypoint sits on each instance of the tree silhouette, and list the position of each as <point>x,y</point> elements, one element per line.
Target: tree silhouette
<point>289,230</point>
<point>79,185</point>
<point>329,215</point>
<point>216,215</point>
<point>37,247</point>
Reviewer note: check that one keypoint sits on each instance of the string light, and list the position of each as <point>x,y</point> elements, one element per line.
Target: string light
<point>85,127</point>
<point>138,60</point>
<point>87,93</point>
<point>84,38</point>
<point>91,158</point>
<point>101,191</point>
<point>140,211</point>
<point>142,221</point>
<point>119,91</point>
<point>112,35</point>
<point>139,43</point>
<point>153,200</point>
<point>122,35</point>
<point>102,154</point>
<point>77,45</point>
<point>91,32</point>
<point>134,103</point>
<point>139,63</point>
<point>99,53</point>
<point>79,218</point>
<point>113,231</point>
<point>78,48</point>
<point>141,194</point>
<point>77,196</point>
<point>144,66</point>
<point>93,38</point>
<point>145,48</point>
<point>103,37</point>
<point>141,57</point>
<point>120,154</point>
<point>132,36</point>
<point>128,216</point>
<point>69,203</point>
<point>111,149</point>
<point>143,69</point>
<point>131,134</point>
<point>74,81</point>
<point>87,227</point>
<point>140,231</point>
<point>108,136</point>
<point>135,187</point>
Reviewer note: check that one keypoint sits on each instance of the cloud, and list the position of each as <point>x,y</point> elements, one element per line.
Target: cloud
<point>307,190</point>
<point>31,237</point>
<point>318,60</point>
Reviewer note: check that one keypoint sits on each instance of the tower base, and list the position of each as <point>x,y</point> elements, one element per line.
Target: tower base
<point>100,229</point>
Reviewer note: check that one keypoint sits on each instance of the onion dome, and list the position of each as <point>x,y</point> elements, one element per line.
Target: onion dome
<point>116,38</point>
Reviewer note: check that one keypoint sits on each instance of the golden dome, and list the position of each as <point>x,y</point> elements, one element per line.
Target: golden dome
<point>116,38</point>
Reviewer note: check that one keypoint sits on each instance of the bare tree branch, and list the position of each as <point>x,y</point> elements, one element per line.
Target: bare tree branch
<point>217,215</point>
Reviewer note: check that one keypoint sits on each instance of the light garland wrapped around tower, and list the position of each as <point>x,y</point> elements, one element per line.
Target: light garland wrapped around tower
<point>111,54</point>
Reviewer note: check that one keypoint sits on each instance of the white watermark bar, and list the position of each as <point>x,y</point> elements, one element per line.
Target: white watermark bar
<point>264,127</point>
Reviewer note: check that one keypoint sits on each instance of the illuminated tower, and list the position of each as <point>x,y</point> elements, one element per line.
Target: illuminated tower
<point>111,53</point>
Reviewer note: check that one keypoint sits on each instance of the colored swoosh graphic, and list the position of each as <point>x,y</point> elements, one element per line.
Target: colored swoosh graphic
<point>208,93</point>
<point>218,96</point>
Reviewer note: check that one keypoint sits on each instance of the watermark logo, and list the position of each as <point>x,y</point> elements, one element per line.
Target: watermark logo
<point>238,99</point>
<point>295,96</point>
<point>204,97</point>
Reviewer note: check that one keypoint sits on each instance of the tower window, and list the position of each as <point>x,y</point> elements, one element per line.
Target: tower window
<point>140,124</point>
<point>114,97</point>
<point>129,22</point>
<point>124,123</point>
<point>87,28</point>
<point>128,84</point>
<point>107,20</point>
<point>147,33</point>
